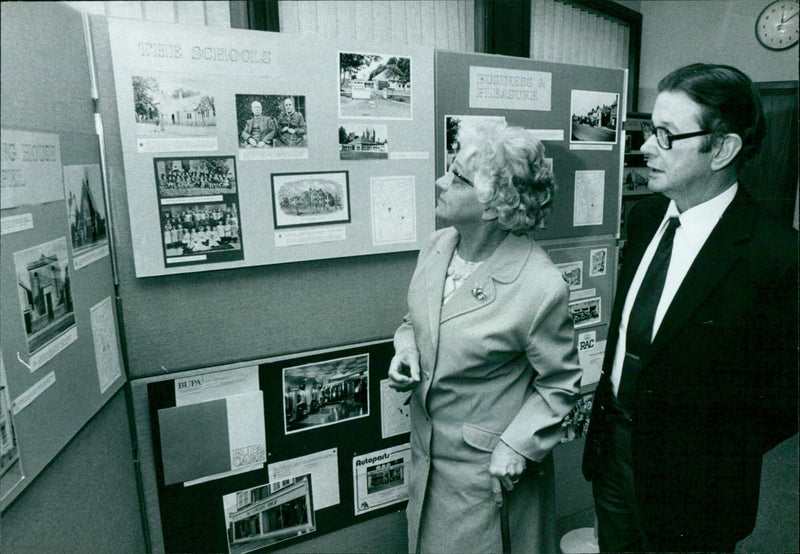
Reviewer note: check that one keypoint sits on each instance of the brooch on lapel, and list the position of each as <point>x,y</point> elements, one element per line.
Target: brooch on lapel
<point>478,293</point>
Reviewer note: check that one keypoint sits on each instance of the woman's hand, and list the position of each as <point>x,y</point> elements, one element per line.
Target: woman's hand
<point>505,467</point>
<point>404,370</point>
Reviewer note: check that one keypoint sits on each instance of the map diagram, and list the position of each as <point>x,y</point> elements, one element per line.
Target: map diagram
<point>393,209</point>
<point>588,209</point>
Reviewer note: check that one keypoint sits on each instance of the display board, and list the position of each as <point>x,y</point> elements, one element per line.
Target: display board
<point>577,111</point>
<point>246,148</point>
<point>589,266</point>
<point>61,355</point>
<point>263,453</point>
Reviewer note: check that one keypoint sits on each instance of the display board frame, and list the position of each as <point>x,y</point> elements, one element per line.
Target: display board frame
<point>170,519</point>
<point>549,99</point>
<point>215,92</point>
<point>61,349</point>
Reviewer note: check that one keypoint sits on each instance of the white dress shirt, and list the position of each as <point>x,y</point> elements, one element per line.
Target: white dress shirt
<point>696,225</point>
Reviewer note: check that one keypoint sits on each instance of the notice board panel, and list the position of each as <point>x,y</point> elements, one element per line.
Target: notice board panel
<point>334,449</point>
<point>61,356</point>
<point>577,111</point>
<point>589,266</point>
<point>246,148</point>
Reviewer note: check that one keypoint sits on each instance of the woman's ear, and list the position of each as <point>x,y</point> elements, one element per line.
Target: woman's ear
<point>489,214</point>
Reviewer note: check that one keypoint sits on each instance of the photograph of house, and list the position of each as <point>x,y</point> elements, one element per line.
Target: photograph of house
<point>374,86</point>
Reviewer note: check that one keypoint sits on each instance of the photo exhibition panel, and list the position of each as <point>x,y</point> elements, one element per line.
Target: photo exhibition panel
<point>245,148</point>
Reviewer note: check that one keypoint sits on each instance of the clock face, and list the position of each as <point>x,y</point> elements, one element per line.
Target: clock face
<point>777,25</point>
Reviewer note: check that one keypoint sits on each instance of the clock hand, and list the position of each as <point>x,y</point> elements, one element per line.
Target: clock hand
<point>790,17</point>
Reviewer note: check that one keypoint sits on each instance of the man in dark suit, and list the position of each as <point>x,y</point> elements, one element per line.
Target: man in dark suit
<point>700,373</point>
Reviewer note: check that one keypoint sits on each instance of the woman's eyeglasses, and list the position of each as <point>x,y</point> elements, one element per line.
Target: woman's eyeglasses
<point>460,177</point>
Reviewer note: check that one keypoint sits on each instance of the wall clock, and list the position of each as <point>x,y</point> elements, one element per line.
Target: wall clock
<point>777,25</point>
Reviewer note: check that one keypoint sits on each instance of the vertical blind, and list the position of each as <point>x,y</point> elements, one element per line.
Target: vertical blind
<point>440,24</point>
<point>214,13</point>
<point>562,32</point>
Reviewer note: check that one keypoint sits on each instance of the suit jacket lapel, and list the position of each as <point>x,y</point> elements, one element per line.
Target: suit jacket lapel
<point>634,252</point>
<point>712,263</point>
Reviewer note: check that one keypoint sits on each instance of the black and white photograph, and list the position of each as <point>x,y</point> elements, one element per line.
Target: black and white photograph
<point>45,292</point>
<point>597,261</point>
<point>195,177</point>
<point>209,229</point>
<point>585,312</point>
<point>363,142</point>
<point>315,198</point>
<point>572,273</point>
<point>167,106</point>
<point>452,125</point>
<point>325,393</point>
<point>9,450</point>
<point>594,117</point>
<point>380,478</point>
<point>86,211</point>
<point>374,86</point>
<point>385,476</point>
<point>259,517</point>
<point>271,121</point>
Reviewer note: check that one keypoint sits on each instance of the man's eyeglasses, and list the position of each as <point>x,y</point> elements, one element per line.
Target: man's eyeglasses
<point>664,138</point>
<point>461,177</point>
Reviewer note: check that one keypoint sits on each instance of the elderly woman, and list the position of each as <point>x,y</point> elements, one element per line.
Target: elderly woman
<point>487,350</point>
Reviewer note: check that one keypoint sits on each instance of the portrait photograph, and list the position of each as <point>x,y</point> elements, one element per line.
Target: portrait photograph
<point>325,393</point>
<point>317,198</point>
<point>374,86</point>
<point>267,121</point>
<point>195,176</point>
<point>594,117</point>
<point>363,142</point>
<point>170,107</point>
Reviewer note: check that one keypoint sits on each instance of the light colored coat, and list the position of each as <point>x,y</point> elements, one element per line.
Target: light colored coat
<point>498,362</point>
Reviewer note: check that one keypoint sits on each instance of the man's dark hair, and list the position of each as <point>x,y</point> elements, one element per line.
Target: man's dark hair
<point>729,103</point>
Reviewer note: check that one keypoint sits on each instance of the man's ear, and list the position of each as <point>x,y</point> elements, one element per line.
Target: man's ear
<point>725,150</point>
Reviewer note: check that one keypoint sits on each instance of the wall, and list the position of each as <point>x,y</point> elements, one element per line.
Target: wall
<point>86,500</point>
<point>677,33</point>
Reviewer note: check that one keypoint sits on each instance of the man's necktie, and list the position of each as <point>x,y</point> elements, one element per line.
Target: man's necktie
<point>643,314</point>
